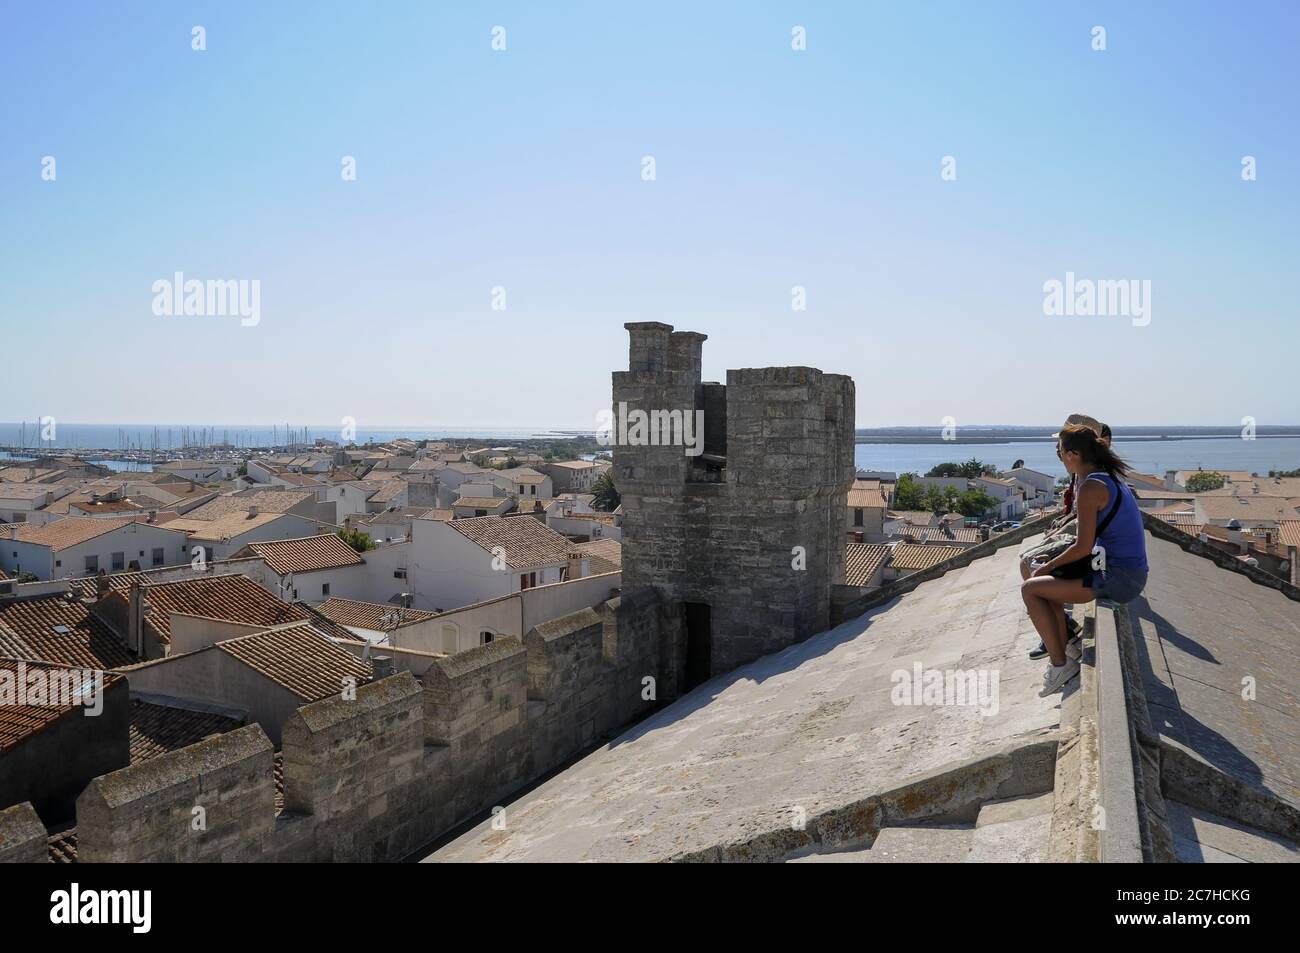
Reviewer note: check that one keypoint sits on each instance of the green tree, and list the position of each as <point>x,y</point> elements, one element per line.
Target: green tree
<point>945,470</point>
<point>356,539</point>
<point>975,503</point>
<point>607,495</point>
<point>935,500</point>
<point>908,494</point>
<point>971,469</point>
<point>1203,481</point>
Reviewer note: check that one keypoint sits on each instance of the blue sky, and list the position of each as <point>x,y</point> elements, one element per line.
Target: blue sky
<point>522,169</point>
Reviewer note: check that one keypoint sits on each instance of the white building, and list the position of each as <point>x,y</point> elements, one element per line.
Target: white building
<point>22,502</point>
<point>312,568</point>
<point>1039,489</point>
<point>81,546</point>
<point>460,562</point>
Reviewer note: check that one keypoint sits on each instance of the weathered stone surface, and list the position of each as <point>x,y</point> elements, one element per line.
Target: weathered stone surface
<point>22,835</point>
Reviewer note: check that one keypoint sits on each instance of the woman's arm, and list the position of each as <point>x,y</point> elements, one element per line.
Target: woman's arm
<point>1092,497</point>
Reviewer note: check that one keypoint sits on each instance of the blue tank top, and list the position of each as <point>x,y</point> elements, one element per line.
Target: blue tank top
<point>1125,538</point>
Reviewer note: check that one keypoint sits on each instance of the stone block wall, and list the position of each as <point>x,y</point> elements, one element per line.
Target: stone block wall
<point>758,539</point>
<point>379,776</point>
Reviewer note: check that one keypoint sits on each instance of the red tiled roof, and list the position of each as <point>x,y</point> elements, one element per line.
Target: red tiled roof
<point>158,729</point>
<point>526,541</point>
<point>861,561</point>
<point>18,722</point>
<point>367,615</point>
<point>230,597</point>
<point>308,554</point>
<point>27,630</point>
<point>300,659</point>
<point>603,555</point>
<point>69,531</point>
<point>908,556</point>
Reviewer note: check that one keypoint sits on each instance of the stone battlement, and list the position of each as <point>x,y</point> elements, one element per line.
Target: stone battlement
<point>376,777</point>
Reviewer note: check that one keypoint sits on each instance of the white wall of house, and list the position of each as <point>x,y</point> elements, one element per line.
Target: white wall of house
<point>448,571</point>
<point>133,541</point>
<point>259,472</point>
<point>25,505</point>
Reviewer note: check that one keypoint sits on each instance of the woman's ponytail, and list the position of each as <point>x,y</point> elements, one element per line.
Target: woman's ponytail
<point>1085,442</point>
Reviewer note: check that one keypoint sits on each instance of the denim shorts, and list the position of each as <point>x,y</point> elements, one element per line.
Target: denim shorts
<point>1117,584</point>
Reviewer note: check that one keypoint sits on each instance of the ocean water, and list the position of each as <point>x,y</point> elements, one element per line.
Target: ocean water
<point>1148,456</point>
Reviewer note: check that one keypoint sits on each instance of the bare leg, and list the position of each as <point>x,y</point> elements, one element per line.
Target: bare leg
<point>1045,598</point>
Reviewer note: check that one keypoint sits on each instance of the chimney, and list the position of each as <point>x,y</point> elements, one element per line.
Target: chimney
<point>382,666</point>
<point>984,531</point>
<point>136,607</point>
<point>252,511</point>
<point>574,569</point>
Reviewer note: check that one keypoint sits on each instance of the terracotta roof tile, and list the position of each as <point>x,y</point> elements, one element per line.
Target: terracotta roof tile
<point>861,561</point>
<point>61,630</point>
<point>1289,532</point>
<point>230,597</point>
<point>908,556</point>
<point>367,615</point>
<point>18,722</point>
<point>307,554</point>
<point>66,532</point>
<point>158,729</point>
<point>298,658</point>
<point>266,501</point>
<point>603,555</point>
<point>526,541</point>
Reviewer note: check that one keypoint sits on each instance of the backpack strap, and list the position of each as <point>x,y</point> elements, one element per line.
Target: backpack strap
<point>1114,507</point>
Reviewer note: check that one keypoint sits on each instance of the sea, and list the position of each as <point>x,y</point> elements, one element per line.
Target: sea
<point>1146,454</point>
<point>1259,455</point>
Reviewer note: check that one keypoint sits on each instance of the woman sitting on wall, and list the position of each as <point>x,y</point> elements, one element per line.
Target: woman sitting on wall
<point>1108,559</point>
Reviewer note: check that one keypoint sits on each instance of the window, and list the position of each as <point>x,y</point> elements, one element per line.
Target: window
<point>450,639</point>
<point>325,589</point>
<point>857,517</point>
<point>119,561</point>
<point>480,512</point>
<point>484,637</point>
<point>159,556</point>
<point>57,562</point>
<point>92,564</point>
<point>523,580</point>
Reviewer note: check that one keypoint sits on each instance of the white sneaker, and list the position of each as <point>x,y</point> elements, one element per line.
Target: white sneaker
<point>1056,677</point>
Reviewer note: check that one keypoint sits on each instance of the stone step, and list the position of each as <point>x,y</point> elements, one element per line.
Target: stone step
<point>928,844</point>
<point>1012,830</point>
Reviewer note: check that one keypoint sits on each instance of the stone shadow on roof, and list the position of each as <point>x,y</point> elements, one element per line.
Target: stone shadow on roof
<point>759,671</point>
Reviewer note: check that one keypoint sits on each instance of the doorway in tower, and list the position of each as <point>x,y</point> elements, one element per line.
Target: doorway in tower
<point>697,620</point>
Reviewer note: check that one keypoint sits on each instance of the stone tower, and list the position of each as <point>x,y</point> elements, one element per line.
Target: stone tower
<point>740,537</point>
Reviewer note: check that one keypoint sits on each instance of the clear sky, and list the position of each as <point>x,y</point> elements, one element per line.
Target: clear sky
<point>522,169</point>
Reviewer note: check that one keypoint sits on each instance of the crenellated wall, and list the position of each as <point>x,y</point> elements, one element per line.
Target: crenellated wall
<point>744,541</point>
<point>377,776</point>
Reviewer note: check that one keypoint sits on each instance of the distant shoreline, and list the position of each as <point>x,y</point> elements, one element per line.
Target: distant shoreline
<point>1047,438</point>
